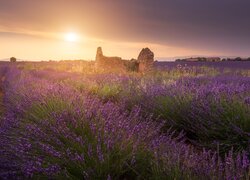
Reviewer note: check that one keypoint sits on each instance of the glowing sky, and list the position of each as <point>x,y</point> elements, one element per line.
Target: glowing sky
<point>35,29</point>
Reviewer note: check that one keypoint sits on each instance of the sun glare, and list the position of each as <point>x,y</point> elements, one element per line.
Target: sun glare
<point>71,37</point>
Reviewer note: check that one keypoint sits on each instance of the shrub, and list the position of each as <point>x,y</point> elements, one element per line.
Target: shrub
<point>12,59</point>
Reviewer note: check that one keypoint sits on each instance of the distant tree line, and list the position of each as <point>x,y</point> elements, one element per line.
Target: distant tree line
<point>236,59</point>
<point>212,59</point>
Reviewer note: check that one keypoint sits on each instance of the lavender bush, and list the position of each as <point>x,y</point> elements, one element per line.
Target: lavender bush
<point>69,125</point>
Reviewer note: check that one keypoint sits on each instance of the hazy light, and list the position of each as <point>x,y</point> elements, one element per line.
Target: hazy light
<point>71,37</point>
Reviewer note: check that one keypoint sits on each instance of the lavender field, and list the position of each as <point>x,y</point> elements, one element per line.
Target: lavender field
<point>62,120</point>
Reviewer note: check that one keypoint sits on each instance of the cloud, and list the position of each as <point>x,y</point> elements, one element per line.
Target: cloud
<point>200,25</point>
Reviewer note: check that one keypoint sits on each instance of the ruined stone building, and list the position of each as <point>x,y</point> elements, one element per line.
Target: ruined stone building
<point>143,63</point>
<point>145,60</point>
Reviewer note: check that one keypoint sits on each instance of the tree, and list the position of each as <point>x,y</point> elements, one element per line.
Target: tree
<point>238,59</point>
<point>12,59</point>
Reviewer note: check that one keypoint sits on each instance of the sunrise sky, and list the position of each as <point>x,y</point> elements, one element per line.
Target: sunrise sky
<point>73,29</point>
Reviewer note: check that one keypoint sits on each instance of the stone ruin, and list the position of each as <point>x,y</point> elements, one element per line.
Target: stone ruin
<point>143,63</point>
<point>145,59</point>
<point>104,61</point>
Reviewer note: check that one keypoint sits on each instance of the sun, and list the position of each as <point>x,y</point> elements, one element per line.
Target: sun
<point>71,37</point>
